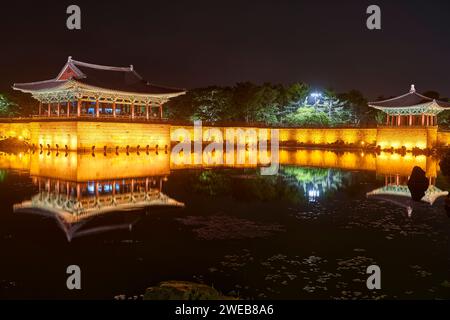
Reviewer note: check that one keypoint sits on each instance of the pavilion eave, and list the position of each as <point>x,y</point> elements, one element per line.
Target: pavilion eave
<point>429,108</point>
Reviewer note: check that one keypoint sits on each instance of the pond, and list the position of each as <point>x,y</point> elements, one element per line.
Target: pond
<point>308,232</point>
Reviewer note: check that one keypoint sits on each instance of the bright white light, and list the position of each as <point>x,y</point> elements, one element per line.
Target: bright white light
<point>313,194</point>
<point>316,95</point>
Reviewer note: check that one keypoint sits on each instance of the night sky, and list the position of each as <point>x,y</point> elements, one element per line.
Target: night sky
<point>190,44</point>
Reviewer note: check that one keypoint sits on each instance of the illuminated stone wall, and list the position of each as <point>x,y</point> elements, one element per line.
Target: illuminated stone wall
<point>410,138</point>
<point>299,135</point>
<point>111,134</point>
<point>16,129</point>
<point>330,135</point>
<point>384,137</point>
<point>83,135</point>
<point>443,138</point>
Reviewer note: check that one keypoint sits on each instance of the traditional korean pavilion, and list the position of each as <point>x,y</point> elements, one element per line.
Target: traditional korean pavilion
<point>95,91</point>
<point>411,109</point>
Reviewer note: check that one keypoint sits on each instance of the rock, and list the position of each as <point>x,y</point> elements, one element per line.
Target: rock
<point>183,290</point>
<point>418,184</point>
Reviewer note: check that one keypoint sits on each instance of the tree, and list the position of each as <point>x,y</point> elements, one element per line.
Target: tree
<point>357,103</point>
<point>292,98</point>
<point>210,104</point>
<point>6,106</point>
<point>308,116</point>
<point>14,104</point>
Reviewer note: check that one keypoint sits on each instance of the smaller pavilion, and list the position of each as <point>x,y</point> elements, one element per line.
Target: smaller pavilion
<point>411,109</point>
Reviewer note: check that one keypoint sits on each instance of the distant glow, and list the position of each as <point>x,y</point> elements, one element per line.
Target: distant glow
<point>316,95</point>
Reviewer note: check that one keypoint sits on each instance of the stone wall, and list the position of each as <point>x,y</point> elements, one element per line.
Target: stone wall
<point>416,137</point>
<point>354,136</point>
<point>443,138</point>
<point>83,135</point>
<point>287,135</point>
<point>112,134</point>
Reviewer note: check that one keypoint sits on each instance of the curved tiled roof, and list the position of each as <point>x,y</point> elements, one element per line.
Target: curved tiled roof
<point>124,79</point>
<point>410,99</point>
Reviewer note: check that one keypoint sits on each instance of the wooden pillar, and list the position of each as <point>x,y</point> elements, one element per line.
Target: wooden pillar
<point>410,120</point>
<point>58,109</point>
<point>114,108</point>
<point>79,107</point>
<point>423,120</point>
<point>399,119</point>
<point>68,109</point>
<point>40,108</point>
<point>132,110</point>
<point>387,119</point>
<point>146,112</point>
<point>160,111</point>
<point>78,191</point>
<point>428,121</point>
<point>49,109</point>
<point>97,109</point>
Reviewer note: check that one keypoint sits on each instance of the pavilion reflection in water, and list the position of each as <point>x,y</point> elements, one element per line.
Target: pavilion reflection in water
<point>396,191</point>
<point>75,188</point>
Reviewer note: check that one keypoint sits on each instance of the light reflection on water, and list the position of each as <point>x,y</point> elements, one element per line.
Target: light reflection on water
<point>213,201</point>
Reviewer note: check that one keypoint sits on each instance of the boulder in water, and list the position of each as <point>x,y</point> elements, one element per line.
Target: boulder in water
<point>418,184</point>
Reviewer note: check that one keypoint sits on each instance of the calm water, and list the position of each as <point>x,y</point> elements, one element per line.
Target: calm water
<point>310,232</point>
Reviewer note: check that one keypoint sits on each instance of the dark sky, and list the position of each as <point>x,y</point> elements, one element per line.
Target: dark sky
<point>199,43</point>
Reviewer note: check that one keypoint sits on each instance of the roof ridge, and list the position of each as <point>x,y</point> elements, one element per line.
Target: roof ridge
<point>431,99</point>
<point>395,98</point>
<point>163,86</point>
<point>39,82</point>
<point>100,67</point>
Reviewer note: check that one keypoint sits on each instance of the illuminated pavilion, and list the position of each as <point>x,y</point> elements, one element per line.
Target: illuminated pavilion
<point>411,109</point>
<point>95,91</point>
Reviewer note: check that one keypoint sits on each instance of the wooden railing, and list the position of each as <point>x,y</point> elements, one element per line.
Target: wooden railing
<point>88,117</point>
